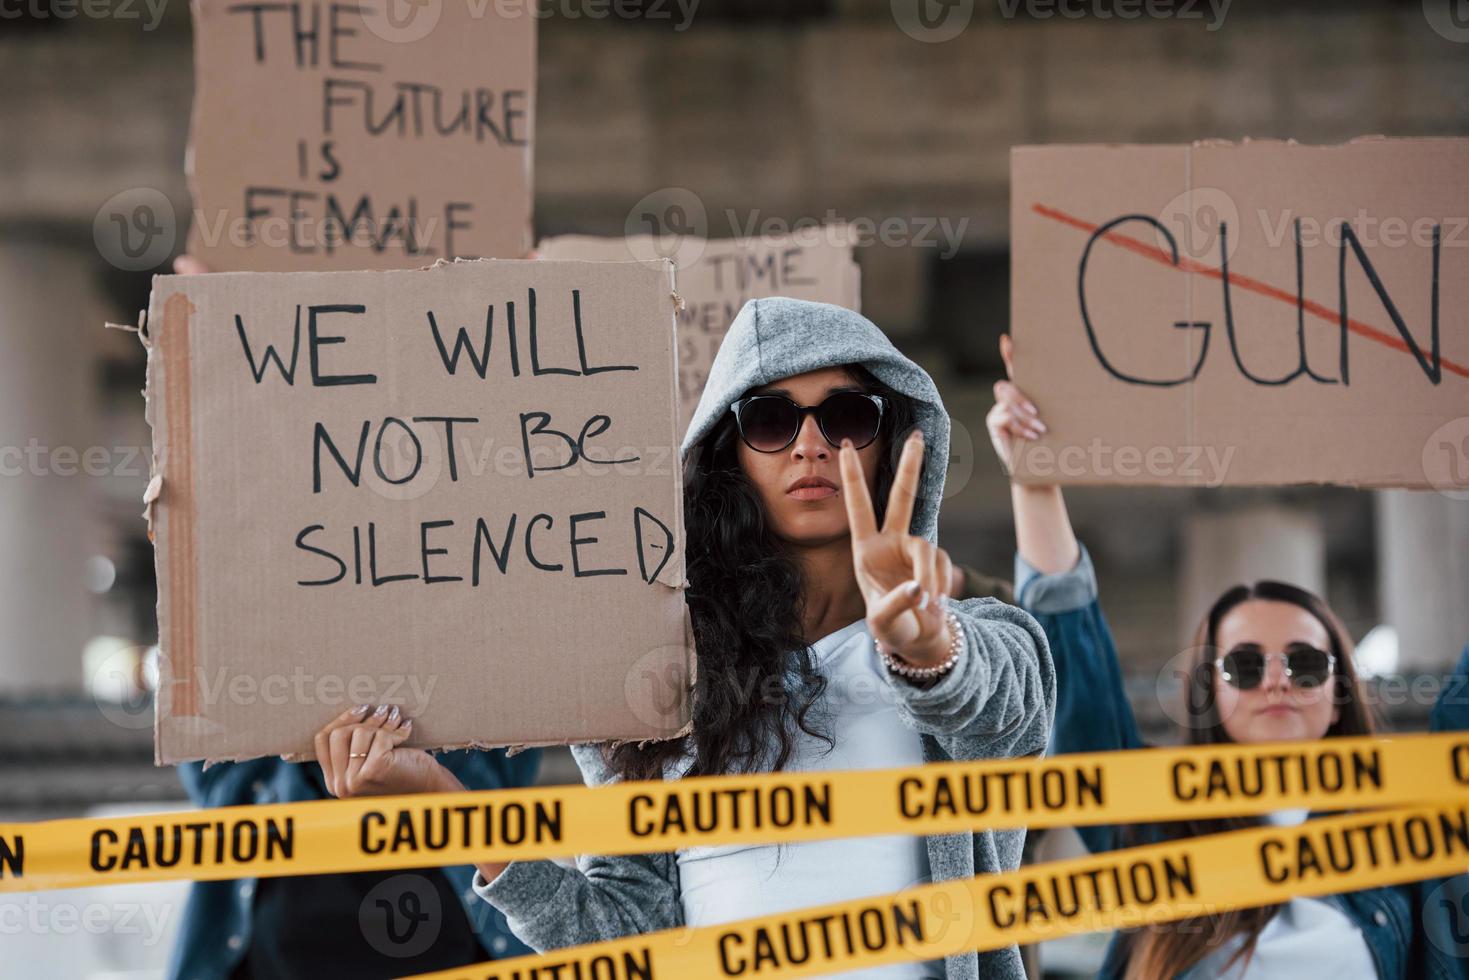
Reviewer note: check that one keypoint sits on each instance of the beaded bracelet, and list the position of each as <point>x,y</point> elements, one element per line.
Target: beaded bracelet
<point>956,647</point>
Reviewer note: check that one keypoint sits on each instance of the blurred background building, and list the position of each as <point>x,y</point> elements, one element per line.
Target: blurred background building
<point>775,108</point>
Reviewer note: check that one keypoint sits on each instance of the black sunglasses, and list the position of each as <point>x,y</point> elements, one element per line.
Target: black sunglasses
<point>770,423</point>
<point>1244,665</point>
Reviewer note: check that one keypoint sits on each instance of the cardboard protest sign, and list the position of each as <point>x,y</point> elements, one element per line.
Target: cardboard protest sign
<point>455,489</point>
<point>1261,313</point>
<point>716,277</point>
<point>343,136</point>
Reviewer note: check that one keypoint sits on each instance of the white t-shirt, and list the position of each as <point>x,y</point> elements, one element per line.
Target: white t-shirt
<point>858,710</point>
<point>1308,937</point>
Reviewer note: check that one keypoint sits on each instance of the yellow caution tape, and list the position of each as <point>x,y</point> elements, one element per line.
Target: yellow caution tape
<point>1121,889</point>
<point>439,829</point>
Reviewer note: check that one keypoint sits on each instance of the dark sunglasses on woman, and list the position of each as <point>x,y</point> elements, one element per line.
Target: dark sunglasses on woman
<point>770,423</point>
<point>1244,665</point>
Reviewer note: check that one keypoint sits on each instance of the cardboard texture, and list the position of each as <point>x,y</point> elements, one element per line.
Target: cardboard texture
<point>1169,335</point>
<point>727,273</point>
<point>334,136</point>
<point>321,541</point>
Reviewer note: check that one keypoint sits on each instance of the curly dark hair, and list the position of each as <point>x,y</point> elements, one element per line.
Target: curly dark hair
<point>745,600</point>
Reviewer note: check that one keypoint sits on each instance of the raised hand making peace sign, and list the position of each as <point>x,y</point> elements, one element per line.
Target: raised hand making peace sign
<point>904,578</point>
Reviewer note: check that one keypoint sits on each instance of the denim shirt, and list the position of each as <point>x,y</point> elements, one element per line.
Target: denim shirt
<point>1417,930</point>
<point>216,928</point>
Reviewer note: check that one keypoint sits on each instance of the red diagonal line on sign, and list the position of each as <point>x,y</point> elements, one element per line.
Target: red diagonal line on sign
<point>1186,264</point>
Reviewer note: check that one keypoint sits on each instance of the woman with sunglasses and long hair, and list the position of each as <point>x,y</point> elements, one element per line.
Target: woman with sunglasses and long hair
<point>1270,662</point>
<point>826,640</point>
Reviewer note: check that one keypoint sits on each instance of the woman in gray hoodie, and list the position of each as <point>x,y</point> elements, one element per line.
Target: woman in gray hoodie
<point>825,638</point>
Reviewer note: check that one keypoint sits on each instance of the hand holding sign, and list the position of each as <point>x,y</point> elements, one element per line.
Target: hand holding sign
<point>190,265</point>
<point>1013,416</point>
<point>901,575</point>
<point>361,753</point>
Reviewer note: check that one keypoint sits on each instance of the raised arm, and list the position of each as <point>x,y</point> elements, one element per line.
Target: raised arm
<point>550,906</point>
<point>546,905</point>
<point>1093,713</point>
<point>1043,533</point>
<point>1055,583</point>
<point>996,699</point>
<point>999,699</point>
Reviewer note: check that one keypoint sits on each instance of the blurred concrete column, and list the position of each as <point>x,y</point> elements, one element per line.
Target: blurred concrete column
<point>1423,575</point>
<point>1241,546</point>
<point>48,375</point>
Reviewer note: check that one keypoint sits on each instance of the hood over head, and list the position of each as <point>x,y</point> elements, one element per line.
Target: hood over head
<point>779,337</point>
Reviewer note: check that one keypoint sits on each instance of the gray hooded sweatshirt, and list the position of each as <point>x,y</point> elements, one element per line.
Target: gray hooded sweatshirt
<point>997,702</point>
